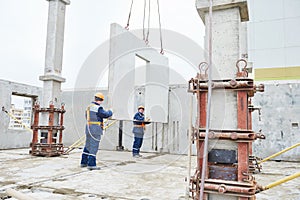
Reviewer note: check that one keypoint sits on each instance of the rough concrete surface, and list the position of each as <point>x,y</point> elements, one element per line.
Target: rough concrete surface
<point>155,176</point>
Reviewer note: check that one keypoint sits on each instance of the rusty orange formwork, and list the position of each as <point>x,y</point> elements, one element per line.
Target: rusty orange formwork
<point>228,172</point>
<point>47,139</point>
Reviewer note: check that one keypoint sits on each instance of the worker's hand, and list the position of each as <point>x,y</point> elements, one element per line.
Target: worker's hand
<point>147,119</point>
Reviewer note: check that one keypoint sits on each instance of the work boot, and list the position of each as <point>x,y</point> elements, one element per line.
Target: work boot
<point>84,158</point>
<point>93,168</point>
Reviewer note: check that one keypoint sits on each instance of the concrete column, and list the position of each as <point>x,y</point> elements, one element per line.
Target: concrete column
<point>54,53</point>
<point>227,18</point>
<point>227,45</point>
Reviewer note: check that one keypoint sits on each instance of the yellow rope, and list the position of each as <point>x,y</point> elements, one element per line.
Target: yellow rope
<point>81,140</point>
<point>276,183</point>
<point>280,152</point>
<point>109,125</point>
<point>19,121</point>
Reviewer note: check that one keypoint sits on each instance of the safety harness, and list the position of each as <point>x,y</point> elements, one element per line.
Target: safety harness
<point>139,125</point>
<point>92,122</point>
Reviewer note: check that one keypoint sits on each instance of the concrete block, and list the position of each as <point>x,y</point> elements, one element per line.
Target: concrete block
<point>203,7</point>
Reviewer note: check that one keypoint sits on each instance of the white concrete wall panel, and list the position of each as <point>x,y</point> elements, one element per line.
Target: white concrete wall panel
<point>124,47</point>
<point>156,93</point>
<point>178,123</point>
<point>156,85</point>
<point>121,70</point>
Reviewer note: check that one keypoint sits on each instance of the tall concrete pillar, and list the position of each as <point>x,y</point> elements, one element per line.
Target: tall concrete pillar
<point>54,53</point>
<point>228,45</point>
<point>226,35</point>
<point>48,120</point>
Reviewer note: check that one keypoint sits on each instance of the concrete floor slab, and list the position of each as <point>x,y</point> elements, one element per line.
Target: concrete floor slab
<point>154,176</point>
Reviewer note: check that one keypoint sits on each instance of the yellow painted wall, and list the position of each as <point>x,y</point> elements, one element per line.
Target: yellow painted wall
<point>278,73</point>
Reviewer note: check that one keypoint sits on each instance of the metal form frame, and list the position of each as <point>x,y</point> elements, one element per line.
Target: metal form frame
<point>240,183</point>
<point>49,144</point>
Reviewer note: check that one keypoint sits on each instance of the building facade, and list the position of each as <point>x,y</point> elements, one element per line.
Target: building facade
<point>274,49</point>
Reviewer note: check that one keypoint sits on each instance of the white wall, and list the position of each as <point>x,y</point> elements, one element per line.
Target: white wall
<point>124,48</point>
<point>273,32</point>
<point>11,138</point>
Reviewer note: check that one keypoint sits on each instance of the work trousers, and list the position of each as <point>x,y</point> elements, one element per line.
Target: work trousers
<point>137,143</point>
<point>93,135</point>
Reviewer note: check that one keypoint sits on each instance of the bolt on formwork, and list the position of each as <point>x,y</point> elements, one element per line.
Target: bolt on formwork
<point>47,139</point>
<point>229,171</point>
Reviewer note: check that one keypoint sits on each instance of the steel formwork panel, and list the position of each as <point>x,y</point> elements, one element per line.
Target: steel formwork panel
<point>238,167</point>
<point>47,139</point>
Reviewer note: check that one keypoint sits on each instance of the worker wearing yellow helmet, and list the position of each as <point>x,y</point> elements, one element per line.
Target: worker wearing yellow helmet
<point>139,123</point>
<point>93,130</point>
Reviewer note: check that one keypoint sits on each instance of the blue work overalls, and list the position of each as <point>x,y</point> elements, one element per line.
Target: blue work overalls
<point>138,131</point>
<point>93,131</point>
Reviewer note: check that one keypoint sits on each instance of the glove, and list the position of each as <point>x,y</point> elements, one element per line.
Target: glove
<point>147,119</point>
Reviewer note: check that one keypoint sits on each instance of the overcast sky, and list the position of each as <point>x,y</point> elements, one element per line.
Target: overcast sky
<point>24,27</point>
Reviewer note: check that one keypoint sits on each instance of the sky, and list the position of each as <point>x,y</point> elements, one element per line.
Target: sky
<point>24,29</point>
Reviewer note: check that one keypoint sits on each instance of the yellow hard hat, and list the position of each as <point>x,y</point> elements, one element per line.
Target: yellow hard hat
<point>141,107</point>
<point>99,95</point>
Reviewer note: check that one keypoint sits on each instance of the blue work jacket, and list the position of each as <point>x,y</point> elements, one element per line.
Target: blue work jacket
<point>96,113</point>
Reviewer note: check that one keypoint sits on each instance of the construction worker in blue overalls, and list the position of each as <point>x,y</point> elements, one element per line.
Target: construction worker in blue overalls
<point>139,123</point>
<point>93,131</point>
